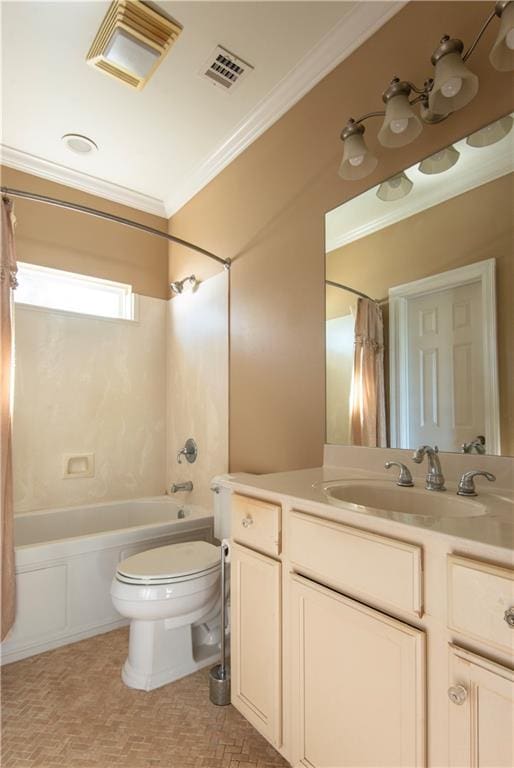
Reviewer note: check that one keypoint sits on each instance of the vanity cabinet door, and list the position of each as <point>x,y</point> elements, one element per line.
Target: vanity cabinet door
<point>358,683</point>
<point>256,644</point>
<point>480,712</point>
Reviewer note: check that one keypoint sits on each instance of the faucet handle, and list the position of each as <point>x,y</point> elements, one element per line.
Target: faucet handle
<point>190,451</point>
<point>405,477</point>
<point>467,482</point>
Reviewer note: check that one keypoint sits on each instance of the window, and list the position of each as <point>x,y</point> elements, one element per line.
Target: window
<point>70,292</point>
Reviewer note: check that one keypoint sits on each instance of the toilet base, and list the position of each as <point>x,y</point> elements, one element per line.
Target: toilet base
<point>159,654</point>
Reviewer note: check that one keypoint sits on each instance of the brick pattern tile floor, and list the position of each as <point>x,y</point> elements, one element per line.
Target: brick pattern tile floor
<point>69,708</point>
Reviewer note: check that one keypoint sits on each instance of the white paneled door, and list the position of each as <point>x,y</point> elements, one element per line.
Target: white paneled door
<point>445,365</point>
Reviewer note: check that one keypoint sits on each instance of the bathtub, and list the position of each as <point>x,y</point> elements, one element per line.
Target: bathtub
<point>66,558</point>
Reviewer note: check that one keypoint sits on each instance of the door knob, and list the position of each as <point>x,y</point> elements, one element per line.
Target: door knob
<point>457,694</point>
<point>246,521</point>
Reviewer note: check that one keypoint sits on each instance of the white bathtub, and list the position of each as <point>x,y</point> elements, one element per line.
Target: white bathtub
<point>66,558</point>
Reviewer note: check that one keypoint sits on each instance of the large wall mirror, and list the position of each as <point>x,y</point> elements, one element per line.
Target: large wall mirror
<point>419,303</point>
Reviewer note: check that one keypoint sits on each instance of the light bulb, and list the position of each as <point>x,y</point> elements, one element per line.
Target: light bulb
<point>451,87</point>
<point>357,160</point>
<point>509,40</point>
<point>398,126</point>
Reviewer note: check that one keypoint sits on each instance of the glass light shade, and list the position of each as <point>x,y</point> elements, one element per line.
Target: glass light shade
<point>131,54</point>
<point>401,124</point>
<point>492,133</point>
<point>502,52</point>
<point>454,85</point>
<point>395,188</point>
<point>357,162</point>
<point>440,162</point>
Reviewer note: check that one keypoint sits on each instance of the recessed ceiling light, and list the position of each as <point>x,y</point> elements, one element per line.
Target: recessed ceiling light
<point>81,145</point>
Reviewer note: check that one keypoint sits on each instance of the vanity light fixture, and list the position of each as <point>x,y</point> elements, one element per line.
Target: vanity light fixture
<point>440,162</point>
<point>187,285</point>
<point>395,188</point>
<point>492,133</point>
<point>132,41</point>
<point>452,86</point>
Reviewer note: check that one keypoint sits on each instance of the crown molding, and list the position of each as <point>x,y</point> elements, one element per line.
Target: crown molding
<point>45,169</point>
<point>475,175</point>
<point>345,37</point>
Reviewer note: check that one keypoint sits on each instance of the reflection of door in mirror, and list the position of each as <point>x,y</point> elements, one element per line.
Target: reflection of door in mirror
<point>443,378</point>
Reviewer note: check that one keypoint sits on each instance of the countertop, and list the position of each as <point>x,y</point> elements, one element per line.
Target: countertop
<point>496,528</point>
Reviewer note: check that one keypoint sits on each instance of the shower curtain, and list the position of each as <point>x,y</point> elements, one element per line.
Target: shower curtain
<point>7,285</point>
<point>367,396</point>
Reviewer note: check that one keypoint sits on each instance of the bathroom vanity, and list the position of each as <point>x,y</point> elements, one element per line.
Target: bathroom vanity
<point>364,636</point>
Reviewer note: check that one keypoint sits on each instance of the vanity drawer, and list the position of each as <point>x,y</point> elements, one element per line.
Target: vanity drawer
<point>480,601</point>
<point>256,523</point>
<point>363,564</point>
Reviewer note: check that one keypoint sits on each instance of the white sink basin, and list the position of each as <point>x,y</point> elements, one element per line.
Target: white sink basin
<point>378,495</point>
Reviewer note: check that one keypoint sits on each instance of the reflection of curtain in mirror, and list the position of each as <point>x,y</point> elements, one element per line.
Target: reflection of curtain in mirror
<point>7,283</point>
<point>367,397</point>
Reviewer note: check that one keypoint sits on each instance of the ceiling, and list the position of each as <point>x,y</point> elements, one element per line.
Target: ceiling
<point>161,145</point>
<point>366,213</point>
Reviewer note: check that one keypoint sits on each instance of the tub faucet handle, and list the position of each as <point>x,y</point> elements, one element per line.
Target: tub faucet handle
<point>190,451</point>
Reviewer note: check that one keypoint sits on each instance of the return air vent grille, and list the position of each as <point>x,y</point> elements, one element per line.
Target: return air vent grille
<point>225,69</point>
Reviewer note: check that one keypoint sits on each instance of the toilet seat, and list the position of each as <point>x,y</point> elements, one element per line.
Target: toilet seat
<point>172,564</point>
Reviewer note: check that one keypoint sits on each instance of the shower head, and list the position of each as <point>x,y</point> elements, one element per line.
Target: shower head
<point>187,285</point>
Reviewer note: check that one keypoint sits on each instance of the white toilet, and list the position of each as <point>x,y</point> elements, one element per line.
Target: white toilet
<point>172,597</point>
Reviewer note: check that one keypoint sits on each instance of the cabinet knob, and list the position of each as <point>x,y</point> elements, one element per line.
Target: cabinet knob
<point>509,617</point>
<point>246,521</point>
<point>457,694</point>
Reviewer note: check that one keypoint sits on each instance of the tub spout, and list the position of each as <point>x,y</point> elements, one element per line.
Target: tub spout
<point>177,487</point>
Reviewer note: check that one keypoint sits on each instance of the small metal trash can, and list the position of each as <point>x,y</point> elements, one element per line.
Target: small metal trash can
<point>219,676</point>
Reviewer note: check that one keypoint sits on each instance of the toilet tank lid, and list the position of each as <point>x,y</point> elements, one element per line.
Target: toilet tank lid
<point>182,559</point>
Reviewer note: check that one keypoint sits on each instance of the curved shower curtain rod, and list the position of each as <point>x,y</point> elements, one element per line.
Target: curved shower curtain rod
<point>8,191</point>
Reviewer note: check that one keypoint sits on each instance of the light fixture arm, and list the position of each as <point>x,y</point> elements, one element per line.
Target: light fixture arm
<point>498,9</point>
<point>422,96</point>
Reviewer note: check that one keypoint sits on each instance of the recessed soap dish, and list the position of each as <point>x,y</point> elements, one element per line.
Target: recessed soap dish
<point>77,465</point>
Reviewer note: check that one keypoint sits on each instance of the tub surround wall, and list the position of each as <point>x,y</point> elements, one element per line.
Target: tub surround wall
<point>266,211</point>
<point>89,385</point>
<point>198,386</point>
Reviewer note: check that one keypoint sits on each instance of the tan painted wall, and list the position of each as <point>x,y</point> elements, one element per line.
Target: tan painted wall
<point>54,237</point>
<point>266,211</point>
<point>471,227</point>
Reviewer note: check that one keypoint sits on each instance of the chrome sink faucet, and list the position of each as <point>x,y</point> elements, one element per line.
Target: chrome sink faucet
<point>434,480</point>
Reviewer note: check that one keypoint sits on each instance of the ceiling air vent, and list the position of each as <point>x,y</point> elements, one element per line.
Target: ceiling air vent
<point>225,69</point>
<point>132,41</point>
